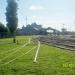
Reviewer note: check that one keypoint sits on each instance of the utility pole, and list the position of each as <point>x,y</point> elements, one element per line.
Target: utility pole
<point>26,20</point>
<point>63,26</point>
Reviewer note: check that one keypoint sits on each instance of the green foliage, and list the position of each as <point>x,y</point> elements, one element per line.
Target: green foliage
<point>11,16</point>
<point>3,30</point>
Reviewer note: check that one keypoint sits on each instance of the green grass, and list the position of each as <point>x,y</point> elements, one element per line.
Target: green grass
<point>50,61</point>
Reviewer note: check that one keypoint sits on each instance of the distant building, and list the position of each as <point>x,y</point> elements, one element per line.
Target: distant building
<point>35,29</point>
<point>32,29</point>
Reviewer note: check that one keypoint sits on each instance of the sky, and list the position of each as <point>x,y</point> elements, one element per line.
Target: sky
<point>48,13</point>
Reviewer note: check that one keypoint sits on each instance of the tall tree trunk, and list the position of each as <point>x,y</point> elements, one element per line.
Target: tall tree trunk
<point>14,38</point>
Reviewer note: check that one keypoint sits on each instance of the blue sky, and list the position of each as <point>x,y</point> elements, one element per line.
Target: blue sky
<point>49,13</point>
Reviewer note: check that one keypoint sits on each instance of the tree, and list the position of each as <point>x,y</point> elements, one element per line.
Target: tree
<point>11,18</point>
<point>3,31</point>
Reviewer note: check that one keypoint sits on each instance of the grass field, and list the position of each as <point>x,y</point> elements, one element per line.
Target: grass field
<point>18,59</point>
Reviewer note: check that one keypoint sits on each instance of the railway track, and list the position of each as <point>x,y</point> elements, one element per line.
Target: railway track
<point>64,43</point>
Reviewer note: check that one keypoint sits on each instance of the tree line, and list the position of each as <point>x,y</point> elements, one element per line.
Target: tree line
<point>3,31</point>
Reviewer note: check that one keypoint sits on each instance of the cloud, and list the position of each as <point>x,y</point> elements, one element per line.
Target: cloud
<point>35,8</point>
